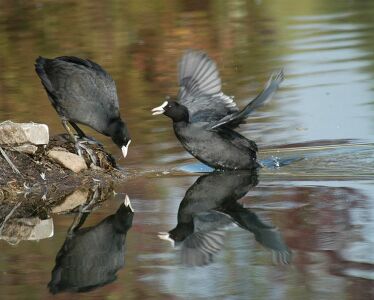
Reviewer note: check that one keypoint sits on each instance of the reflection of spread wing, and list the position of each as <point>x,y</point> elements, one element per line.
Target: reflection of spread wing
<point>200,88</point>
<point>235,119</point>
<point>199,248</point>
<point>267,235</point>
<point>271,238</point>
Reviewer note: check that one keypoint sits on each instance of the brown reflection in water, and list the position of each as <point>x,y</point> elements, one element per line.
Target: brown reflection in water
<point>138,43</point>
<point>321,229</point>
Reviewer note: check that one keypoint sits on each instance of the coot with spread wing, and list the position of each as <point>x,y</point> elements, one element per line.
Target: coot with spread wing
<point>204,118</point>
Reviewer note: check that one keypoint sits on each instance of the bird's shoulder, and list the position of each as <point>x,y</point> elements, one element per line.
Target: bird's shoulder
<point>200,88</point>
<point>73,77</point>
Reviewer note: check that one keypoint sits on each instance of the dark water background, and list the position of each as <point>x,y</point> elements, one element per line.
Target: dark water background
<point>322,120</point>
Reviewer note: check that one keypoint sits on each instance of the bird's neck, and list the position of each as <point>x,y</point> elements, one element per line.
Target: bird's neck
<point>113,126</point>
<point>180,125</point>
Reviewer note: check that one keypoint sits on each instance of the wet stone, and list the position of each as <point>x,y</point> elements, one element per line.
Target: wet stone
<point>23,133</point>
<point>26,148</point>
<point>68,160</point>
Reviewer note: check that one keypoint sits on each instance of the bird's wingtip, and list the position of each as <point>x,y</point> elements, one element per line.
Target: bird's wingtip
<point>276,77</point>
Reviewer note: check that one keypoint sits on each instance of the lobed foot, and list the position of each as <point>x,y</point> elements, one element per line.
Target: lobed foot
<point>80,147</point>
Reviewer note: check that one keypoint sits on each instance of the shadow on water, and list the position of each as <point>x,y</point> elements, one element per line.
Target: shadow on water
<point>90,257</point>
<point>209,207</point>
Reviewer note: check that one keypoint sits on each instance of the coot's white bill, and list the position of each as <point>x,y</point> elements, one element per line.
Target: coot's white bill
<point>128,203</point>
<point>166,237</point>
<point>125,149</point>
<point>159,109</point>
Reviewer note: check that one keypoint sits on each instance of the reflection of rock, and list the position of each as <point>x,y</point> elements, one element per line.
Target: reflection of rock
<point>209,207</point>
<point>85,198</point>
<point>90,257</point>
<point>18,229</point>
<point>23,133</point>
<point>68,160</point>
<point>29,220</point>
<point>77,198</point>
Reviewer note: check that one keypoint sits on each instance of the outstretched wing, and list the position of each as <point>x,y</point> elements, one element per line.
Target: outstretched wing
<point>235,119</point>
<point>200,88</point>
<point>199,248</point>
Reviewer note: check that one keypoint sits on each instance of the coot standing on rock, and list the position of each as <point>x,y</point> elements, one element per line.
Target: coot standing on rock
<point>204,117</point>
<point>82,92</point>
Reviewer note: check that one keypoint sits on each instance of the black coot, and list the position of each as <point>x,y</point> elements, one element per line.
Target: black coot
<point>82,92</point>
<point>209,207</point>
<point>204,117</point>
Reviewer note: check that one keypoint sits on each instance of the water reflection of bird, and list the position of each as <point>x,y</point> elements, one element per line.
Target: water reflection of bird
<point>82,92</point>
<point>204,117</point>
<point>209,207</point>
<point>90,257</point>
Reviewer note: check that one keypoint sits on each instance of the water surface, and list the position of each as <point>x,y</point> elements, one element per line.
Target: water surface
<point>310,209</point>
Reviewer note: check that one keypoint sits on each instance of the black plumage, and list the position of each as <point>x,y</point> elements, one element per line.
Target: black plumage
<point>90,257</point>
<point>209,207</point>
<point>82,92</point>
<point>204,118</point>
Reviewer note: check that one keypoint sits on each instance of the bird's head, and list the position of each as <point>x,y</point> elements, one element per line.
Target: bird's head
<point>177,112</point>
<point>120,135</point>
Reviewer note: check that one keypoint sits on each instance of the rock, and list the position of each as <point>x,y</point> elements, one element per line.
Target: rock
<point>75,199</point>
<point>22,133</point>
<point>68,160</point>
<point>18,229</point>
<point>26,148</point>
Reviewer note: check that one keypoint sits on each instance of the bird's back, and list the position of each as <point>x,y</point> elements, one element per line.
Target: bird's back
<point>80,90</point>
<point>218,149</point>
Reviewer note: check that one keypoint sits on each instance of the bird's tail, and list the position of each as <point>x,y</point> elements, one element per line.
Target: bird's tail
<point>40,64</point>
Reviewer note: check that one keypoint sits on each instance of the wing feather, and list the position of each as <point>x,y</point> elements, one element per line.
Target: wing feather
<point>200,88</point>
<point>235,119</point>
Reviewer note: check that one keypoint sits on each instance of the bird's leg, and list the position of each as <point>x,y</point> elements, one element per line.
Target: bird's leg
<point>79,145</point>
<point>84,211</point>
<point>92,200</point>
<point>89,151</point>
<point>78,130</point>
<point>73,138</point>
<point>83,136</point>
<point>78,221</point>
